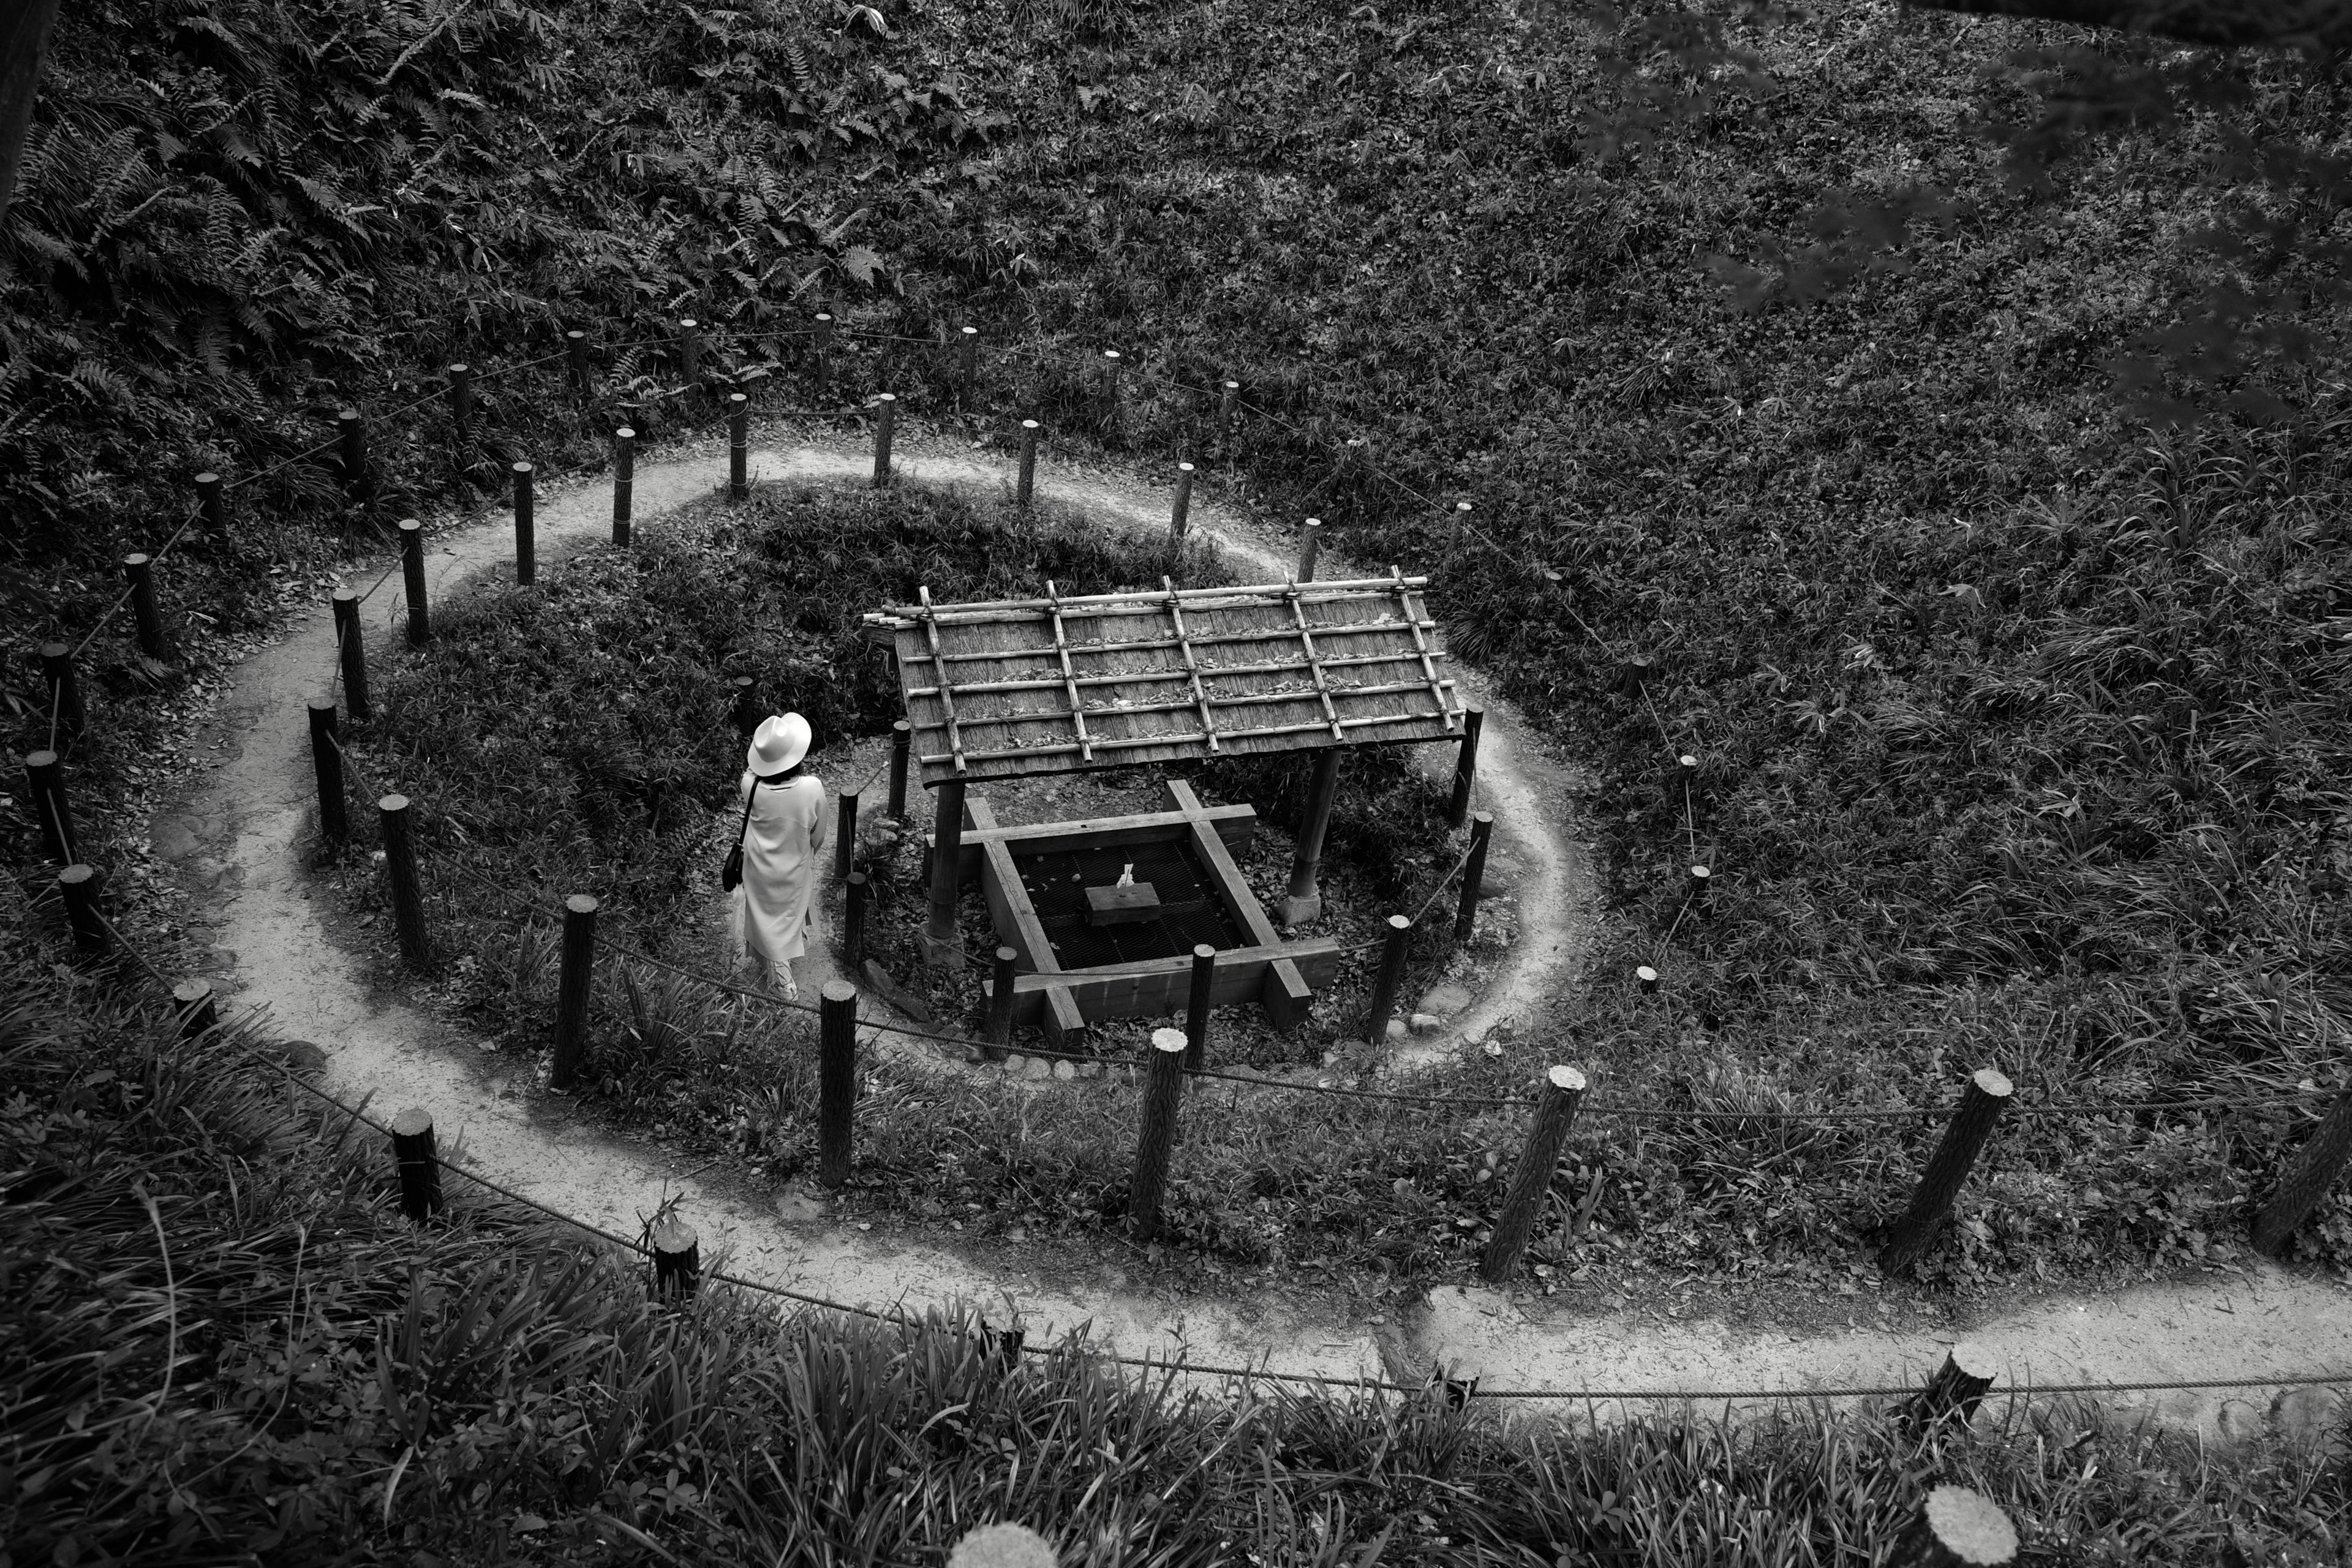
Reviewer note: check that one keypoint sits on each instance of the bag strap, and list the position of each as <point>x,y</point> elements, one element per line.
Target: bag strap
<point>745,826</point>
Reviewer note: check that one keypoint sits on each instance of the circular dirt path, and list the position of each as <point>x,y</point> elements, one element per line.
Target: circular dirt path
<point>237,840</point>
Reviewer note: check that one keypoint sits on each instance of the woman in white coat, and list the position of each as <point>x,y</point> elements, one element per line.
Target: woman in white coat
<point>783,828</point>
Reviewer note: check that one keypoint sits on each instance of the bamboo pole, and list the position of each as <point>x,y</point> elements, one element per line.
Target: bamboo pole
<point>1473,872</point>
<point>412,580</point>
<point>1391,979</point>
<point>1196,1007</point>
<point>327,766</point>
<point>1523,1202</point>
<point>407,892</point>
<point>350,653</point>
<point>625,473</point>
<point>1002,612</point>
<point>2315,1168</point>
<point>1916,1229</point>
<point>837,1080</point>
<point>65,691</point>
<point>1221,672</point>
<point>45,785</point>
<point>525,545</point>
<point>79,886</point>
<point>575,979</point>
<point>1466,766</point>
<point>140,569</point>
<point>418,1164</point>
<point>1156,1136</point>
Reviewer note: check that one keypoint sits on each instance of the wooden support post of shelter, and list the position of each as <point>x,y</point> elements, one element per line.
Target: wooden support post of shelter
<point>1465,767</point>
<point>1473,873</point>
<point>1304,901</point>
<point>940,947</point>
<point>902,736</point>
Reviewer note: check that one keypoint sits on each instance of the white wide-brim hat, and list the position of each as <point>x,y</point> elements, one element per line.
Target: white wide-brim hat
<point>777,744</point>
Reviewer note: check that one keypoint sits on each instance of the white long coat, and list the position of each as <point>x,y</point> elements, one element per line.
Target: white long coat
<point>770,915</point>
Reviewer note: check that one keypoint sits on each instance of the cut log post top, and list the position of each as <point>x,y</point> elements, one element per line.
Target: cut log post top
<point>1960,1527</point>
<point>1002,1546</point>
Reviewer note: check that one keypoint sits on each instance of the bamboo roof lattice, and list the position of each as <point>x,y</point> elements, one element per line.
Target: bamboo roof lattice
<point>1013,687</point>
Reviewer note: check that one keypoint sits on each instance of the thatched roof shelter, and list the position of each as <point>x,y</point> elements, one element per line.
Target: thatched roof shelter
<point>1010,687</point>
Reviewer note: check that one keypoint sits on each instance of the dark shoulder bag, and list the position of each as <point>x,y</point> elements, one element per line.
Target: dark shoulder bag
<point>731,876</point>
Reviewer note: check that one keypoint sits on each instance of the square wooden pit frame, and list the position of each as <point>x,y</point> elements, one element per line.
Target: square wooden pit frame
<point>1282,977</point>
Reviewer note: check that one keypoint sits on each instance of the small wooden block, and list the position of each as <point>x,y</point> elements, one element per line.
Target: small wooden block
<point>1130,905</point>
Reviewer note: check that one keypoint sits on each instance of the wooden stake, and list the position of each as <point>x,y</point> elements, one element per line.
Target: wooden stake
<point>1228,394</point>
<point>400,871</point>
<point>1916,1229</point>
<point>1310,545</point>
<point>1026,486</point>
<point>1957,1528</point>
<point>837,1080</point>
<point>140,571</point>
<point>191,1002</point>
<point>970,371</point>
<point>1702,885</point>
<point>855,891</point>
<point>572,985</point>
<point>351,429</point>
<point>78,885</point>
<point>1111,359</point>
<point>1179,518</point>
<point>1000,1003</point>
<point>212,504</point>
<point>461,417</point>
<point>412,578</point>
<point>350,652</point>
<point>947,844</point>
<point>1391,979</point>
<point>1954,1392</point>
<point>2315,1168</point>
<point>1473,872</point>
<point>677,1260</point>
<point>885,419</point>
<point>745,710</point>
<point>625,471</point>
<point>419,1165</point>
<point>1157,1135</point>
<point>822,347</point>
<point>1304,901</point>
<point>1633,677</point>
<point>902,740</point>
<point>525,545</point>
<point>689,352</point>
<point>1466,766</point>
<point>1196,1007</point>
<point>845,837</point>
<point>575,353</point>
<point>1647,978</point>
<point>1523,1202</point>
<point>45,784</point>
<point>327,765</point>
<point>65,691</point>
<point>738,445</point>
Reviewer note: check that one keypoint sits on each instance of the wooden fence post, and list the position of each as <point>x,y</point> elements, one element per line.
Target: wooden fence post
<point>45,785</point>
<point>1196,1007</point>
<point>940,946</point>
<point>575,354</point>
<point>1180,515</point>
<point>212,504</point>
<point>885,420</point>
<point>1531,1178</point>
<point>192,1002</point>
<point>844,838</point>
<point>350,653</point>
<point>1391,979</point>
<point>1157,1135</point>
<point>65,691</point>
<point>969,370</point>
<point>79,886</point>
<point>1025,487</point>
<point>1957,1528</point>
<point>1473,872</point>
<point>1000,1003</point>
<point>677,1260</point>
<point>419,1165</point>
<point>525,545</point>
<point>400,871</point>
<point>412,580</point>
<point>1466,766</point>
<point>836,1081</point>
<point>1310,545</point>
<point>625,473</point>
<point>572,992</point>
<point>1111,365</point>
<point>1954,1391</point>
<point>738,445</point>
<point>1702,886</point>
<point>149,618</point>
<point>902,740</point>
<point>1303,901</point>
<point>326,764</point>
<point>689,352</point>
<point>1916,1229</point>
<point>461,417</point>
<point>745,709</point>
<point>352,428</point>
<point>2307,1176</point>
<point>1647,978</point>
<point>822,349</point>
<point>1228,392</point>
<point>853,918</point>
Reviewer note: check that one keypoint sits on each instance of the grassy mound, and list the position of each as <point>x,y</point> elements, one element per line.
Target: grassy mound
<point>219,1342</point>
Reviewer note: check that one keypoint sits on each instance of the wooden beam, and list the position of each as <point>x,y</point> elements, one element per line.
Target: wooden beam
<point>1016,921</point>
<point>1235,824</point>
<point>1283,988</point>
<point>1157,987</point>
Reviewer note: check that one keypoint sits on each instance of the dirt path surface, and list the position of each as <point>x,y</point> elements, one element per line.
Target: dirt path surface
<point>238,839</point>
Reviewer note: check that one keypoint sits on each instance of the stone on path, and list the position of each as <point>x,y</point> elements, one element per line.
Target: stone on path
<point>1065,1070</point>
<point>1445,1000</point>
<point>1427,1023</point>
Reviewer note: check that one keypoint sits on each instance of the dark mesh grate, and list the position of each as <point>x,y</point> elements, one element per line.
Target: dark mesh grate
<point>1189,910</point>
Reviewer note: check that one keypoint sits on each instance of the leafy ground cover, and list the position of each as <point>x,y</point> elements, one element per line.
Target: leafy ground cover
<point>219,1342</point>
